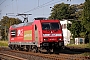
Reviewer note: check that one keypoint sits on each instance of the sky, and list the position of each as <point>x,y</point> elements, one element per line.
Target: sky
<point>38,8</point>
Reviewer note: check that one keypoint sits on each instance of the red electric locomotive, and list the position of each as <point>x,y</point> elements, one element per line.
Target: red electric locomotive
<point>42,34</point>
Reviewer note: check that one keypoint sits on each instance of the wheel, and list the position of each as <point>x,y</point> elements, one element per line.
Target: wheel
<point>48,51</point>
<point>34,49</point>
<point>12,47</point>
<point>28,48</point>
<point>18,48</point>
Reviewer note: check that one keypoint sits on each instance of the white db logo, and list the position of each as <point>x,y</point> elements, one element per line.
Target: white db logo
<point>20,32</point>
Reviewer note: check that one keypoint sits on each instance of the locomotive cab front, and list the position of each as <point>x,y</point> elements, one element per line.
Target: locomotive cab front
<point>52,34</point>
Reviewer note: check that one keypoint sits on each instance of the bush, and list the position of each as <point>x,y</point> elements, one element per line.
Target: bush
<point>3,43</point>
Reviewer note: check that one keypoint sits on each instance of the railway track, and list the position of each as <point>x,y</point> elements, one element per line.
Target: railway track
<point>9,57</point>
<point>39,56</point>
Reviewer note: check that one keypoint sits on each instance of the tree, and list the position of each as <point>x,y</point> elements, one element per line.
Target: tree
<point>66,11</point>
<point>60,11</point>
<point>75,28</point>
<point>5,23</point>
<point>86,17</point>
<point>76,11</point>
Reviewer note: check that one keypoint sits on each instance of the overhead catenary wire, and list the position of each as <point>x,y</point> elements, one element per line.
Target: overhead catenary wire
<point>2,2</point>
<point>0,9</point>
<point>39,6</point>
<point>48,5</point>
<point>4,5</point>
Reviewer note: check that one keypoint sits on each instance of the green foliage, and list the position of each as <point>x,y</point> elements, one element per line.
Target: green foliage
<point>75,28</point>
<point>60,11</point>
<point>86,17</point>
<point>76,11</point>
<point>86,54</point>
<point>78,30</point>
<point>5,23</point>
<point>3,43</point>
<point>66,11</point>
<point>82,34</point>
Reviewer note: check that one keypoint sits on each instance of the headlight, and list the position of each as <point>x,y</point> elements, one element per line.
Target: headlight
<point>45,39</point>
<point>59,39</point>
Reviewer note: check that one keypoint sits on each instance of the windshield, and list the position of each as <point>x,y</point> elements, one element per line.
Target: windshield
<point>47,26</point>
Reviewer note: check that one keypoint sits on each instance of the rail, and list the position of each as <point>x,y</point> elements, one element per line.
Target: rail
<point>6,56</point>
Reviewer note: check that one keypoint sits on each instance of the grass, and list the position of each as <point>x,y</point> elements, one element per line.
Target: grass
<point>86,54</point>
<point>3,43</point>
<point>80,45</point>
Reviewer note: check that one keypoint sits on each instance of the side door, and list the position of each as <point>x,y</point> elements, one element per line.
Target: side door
<point>36,34</point>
